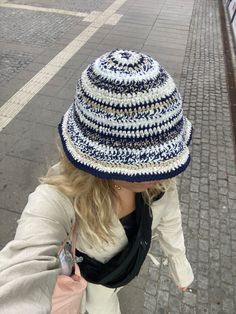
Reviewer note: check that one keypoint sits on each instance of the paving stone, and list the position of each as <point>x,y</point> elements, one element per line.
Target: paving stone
<point>32,110</point>
<point>162,298</point>
<point>154,272</point>
<point>25,174</point>
<point>145,311</point>
<point>228,306</point>
<point>203,309</point>
<point>67,94</point>
<point>66,73</point>
<point>227,276</point>
<point>50,90</point>
<point>175,305</point>
<point>193,255</point>
<point>161,310</point>
<point>188,310</point>
<point>73,5</point>
<point>214,254</point>
<point>6,143</point>
<point>151,287</point>
<point>202,296</point>
<point>11,62</point>
<point>142,21</point>
<point>215,308</point>
<point>39,29</point>
<point>42,132</point>
<point>35,151</point>
<point>203,268</point>
<point>165,282</point>
<point>202,282</point>
<point>78,60</point>
<point>149,302</point>
<point>134,33</point>
<point>57,104</point>
<point>139,281</point>
<point>189,299</point>
<point>203,256</point>
<point>7,230</point>
<point>134,306</point>
<point>8,90</point>
<point>17,126</point>
<point>226,249</point>
<point>228,290</point>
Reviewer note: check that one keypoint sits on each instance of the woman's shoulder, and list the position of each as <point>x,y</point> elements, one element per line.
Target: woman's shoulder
<point>48,193</point>
<point>48,202</point>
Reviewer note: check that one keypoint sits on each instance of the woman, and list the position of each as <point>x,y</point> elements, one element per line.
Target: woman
<point>124,139</point>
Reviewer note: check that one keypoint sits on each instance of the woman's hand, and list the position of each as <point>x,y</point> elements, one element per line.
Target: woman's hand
<point>182,288</point>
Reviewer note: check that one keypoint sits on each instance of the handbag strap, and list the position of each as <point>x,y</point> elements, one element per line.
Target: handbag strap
<point>74,235</point>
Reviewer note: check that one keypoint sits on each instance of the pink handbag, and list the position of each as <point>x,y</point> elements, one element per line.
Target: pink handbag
<point>69,289</point>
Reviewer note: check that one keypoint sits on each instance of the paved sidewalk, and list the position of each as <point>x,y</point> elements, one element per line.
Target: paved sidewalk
<point>185,36</point>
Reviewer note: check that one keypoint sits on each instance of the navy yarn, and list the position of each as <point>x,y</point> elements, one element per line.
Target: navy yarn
<point>126,88</point>
<point>93,121</point>
<point>117,176</point>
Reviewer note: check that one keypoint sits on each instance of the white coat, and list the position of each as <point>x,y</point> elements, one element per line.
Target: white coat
<point>29,266</point>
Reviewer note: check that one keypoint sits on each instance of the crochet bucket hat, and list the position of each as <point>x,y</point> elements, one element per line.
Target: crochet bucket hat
<point>126,121</point>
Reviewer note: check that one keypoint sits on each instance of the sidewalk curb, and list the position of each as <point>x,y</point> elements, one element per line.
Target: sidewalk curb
<point>229,46</point>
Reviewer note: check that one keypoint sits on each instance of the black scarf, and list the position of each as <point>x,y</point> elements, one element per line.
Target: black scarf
<point>125,265</point>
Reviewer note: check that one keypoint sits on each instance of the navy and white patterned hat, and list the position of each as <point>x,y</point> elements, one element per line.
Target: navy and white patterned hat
<point>126,121</point>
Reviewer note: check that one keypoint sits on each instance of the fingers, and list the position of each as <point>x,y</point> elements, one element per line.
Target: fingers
<point>182,288</point>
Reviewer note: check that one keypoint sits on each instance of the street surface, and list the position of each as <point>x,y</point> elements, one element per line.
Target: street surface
<point>44,47</point>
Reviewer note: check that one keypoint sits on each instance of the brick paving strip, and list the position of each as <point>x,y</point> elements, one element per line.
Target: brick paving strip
<point>208,187</point>
<point>229,62</point>
<point>88,17</point>
<point>18,101</point>
<point>41,9</point>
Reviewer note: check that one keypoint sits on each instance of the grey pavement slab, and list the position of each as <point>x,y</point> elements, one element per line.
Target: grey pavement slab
<point>18,179</point>
<point>134,305</point>
<point>185,37</point>
<point>34,150</point>
<point>7,230</point>
<point>7,141</point>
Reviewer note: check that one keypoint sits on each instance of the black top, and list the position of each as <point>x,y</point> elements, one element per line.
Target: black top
<point>129,223</point>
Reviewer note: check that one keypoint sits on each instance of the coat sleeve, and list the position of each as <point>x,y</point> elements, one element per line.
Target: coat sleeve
<point>172,240</point>
<point>29,265</point>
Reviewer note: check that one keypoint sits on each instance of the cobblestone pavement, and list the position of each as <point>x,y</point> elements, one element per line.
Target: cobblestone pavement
<point>40,29</point>
<point>208,187</point>
<point>85,6</point>
<point>185,36</point>
<point>12,62</point>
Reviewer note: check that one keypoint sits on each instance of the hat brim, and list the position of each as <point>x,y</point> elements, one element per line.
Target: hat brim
<point>136,173</point>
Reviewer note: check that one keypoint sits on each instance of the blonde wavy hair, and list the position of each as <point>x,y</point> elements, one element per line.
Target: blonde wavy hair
<point>94,199</point>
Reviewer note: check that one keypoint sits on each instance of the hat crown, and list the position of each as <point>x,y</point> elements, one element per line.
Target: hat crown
<point>125,78</point>
<point>126,120</point>
<point>125,66</point>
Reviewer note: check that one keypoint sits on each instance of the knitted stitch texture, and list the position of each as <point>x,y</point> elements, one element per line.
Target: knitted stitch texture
<point>126,121</point>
